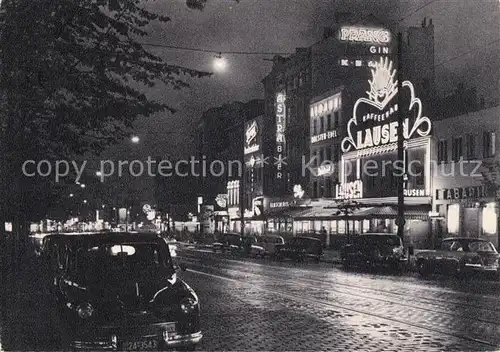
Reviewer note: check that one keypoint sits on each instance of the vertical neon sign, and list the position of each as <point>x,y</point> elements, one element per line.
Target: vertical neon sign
<point>280,134</point>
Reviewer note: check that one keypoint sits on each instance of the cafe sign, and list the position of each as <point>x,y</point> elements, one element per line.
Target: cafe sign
<point>374,120</point>
<point>349,190</point>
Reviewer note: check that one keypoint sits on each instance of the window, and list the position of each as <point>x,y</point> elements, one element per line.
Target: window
<point>328,154</point>
<point>322,124</point>
<point>470,140</point>
<point>488,144</point>
<point>335,121</point>
<point>328,188</point>
<point>315,127</point>
<point>457,149</point>
<point>329,122</point>
<point>315,189</point>
<point>443,151</point>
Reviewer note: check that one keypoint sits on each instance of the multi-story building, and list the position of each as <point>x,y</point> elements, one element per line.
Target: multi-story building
<point>221,147</point>
<point>363,106</point>
<point>287,91</point>
<point>463,202</point>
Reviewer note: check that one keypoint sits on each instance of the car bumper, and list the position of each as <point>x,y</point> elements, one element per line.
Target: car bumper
<point>112,340</point>
<point>481,268</point>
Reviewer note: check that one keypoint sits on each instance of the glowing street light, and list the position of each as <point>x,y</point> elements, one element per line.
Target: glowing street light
<point>82,185</point>
<point>71,194</point>
<point>135,139</point>
<point>98,173</point>
<point>85,201</point>
<point>220,63</point>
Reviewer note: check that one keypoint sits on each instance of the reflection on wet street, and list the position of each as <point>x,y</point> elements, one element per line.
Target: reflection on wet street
<point>264,305</point>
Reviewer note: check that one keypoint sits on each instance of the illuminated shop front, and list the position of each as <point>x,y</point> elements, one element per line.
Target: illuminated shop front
<point>369,169</point>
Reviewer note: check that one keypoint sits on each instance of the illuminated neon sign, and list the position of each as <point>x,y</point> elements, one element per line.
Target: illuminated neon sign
<point>251,140</point>
<point>349,190</point>
<point>371,125</point>
<point>280,133</point>
<point>365,35</point>
<point>323,136</point>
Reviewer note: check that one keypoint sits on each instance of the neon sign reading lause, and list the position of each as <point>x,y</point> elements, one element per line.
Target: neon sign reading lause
<point>280,132</point>
<point>350,190</point>
<point>383,89</point>
<point>365,35</point>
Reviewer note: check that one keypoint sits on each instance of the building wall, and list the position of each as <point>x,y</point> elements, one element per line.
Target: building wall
<point>462,179</point>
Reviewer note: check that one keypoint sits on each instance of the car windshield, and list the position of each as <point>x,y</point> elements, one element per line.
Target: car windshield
<point>129,257</point>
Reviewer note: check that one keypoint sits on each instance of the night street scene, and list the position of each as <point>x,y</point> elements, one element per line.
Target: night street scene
<point>250,175</point>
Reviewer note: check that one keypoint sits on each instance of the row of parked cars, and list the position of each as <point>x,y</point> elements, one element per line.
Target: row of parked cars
<point>298,248</point>
<point>455,255</point>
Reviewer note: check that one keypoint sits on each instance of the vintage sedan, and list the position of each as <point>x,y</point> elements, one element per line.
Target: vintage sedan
<point>300,248</point>
<point>458,256</point>
<point>120,291</point>
<point>374,250</point>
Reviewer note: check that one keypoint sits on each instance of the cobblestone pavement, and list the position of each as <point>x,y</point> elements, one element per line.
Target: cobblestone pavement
<point>261,305</point>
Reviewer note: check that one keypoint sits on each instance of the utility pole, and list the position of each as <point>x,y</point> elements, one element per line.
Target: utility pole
<point>242,197</point>
<point>400,219</point>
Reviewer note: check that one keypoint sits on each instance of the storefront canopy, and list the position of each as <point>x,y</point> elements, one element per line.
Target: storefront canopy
<point>390,212</point>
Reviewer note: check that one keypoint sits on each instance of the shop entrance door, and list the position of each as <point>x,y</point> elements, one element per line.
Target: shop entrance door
<point>471,222</point>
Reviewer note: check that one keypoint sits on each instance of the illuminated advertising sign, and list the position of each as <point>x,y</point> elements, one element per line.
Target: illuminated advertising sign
<point>349,190</point>
<point>298,192</point>
<point>258,206</point>
<point>221,200</point>
<point>374,119</point>
<point>280,133</point>
<point>323,136</point>
<point>252,143</point>
<point>365,35</point>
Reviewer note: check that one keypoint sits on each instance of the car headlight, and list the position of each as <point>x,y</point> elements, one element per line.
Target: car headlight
<point>188,305</point>
<point>85,310</point>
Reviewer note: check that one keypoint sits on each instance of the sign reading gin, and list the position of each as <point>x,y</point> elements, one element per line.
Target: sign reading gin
<point>374,118</point>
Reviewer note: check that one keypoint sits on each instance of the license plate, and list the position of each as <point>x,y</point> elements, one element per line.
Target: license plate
<point>144,345</point>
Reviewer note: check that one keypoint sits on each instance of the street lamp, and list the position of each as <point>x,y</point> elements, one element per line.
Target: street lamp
<point>85,201</point>
<point>71,194</point>
<point>135,139</point>
<point>82,185</point>
<point>220,63</point>
<point>98,173</point>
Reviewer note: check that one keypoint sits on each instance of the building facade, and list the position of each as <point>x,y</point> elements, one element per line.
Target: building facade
<point>463,203</point>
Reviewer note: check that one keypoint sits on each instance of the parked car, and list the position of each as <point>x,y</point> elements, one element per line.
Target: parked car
<point>459,255</point>
<point>300,248</point>
<point>374,250</point>
<point>121,291</point>
<point>270,243</point>
<point>228,242</point>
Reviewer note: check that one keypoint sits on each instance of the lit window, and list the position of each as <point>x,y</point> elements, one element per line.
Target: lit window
<point>453,218</point>
<point>490,219</point>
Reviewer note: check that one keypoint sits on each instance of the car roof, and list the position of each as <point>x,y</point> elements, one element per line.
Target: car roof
<point>109,237</point>
<point>308,238</point>
<point>465,239</point>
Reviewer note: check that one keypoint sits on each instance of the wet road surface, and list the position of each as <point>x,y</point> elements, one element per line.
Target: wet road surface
<point>261,305</point>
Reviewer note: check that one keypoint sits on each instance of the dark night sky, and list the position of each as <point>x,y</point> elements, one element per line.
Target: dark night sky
<point>281,26</point>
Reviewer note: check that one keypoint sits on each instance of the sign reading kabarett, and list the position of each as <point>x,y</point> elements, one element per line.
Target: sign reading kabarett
<point>374,119</point>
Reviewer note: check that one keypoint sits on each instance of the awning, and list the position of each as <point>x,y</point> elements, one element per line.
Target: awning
<point>391,212</point>
<point>276,213</point>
